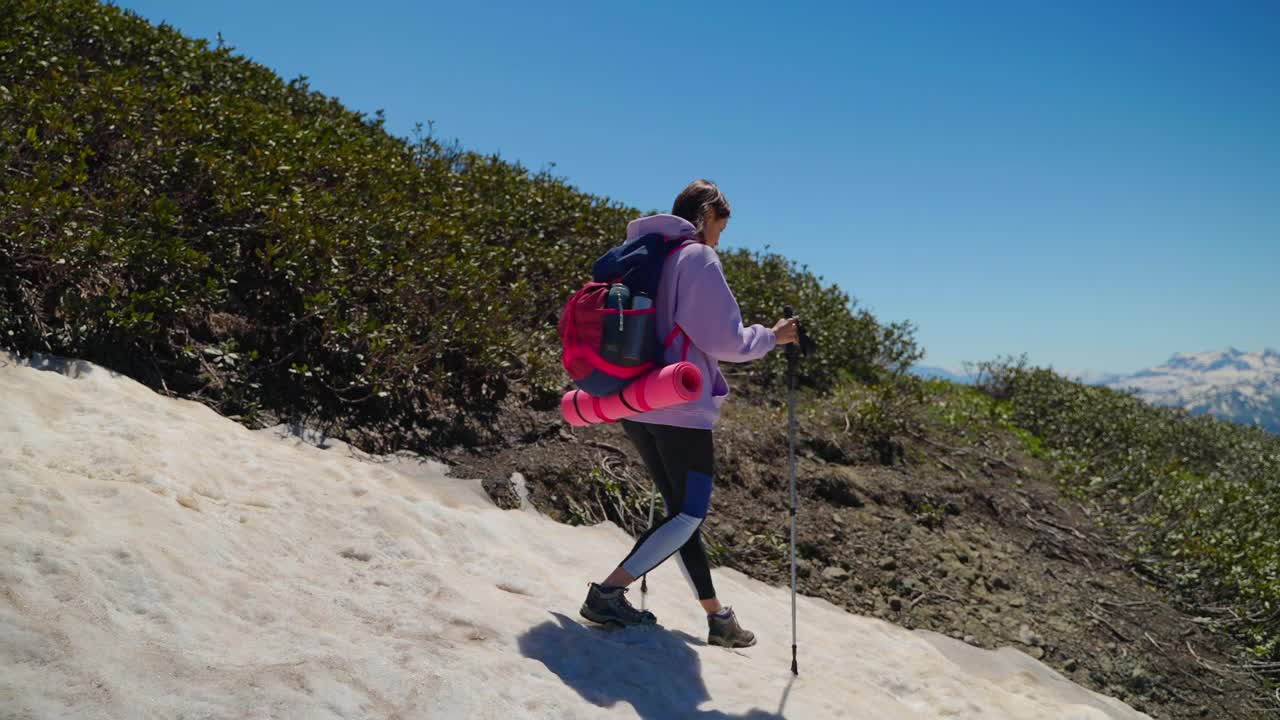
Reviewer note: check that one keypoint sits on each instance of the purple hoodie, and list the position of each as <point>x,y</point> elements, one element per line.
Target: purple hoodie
<point>694,293</point>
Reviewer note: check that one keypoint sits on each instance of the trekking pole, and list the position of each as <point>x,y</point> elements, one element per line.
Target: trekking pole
<point>793,356</point>
<point>644,579</point>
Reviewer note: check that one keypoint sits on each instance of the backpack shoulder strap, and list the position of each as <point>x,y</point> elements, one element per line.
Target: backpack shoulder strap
<point>671,337</point>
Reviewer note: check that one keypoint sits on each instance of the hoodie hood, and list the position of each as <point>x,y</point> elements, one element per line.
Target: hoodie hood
<point>665,225</point>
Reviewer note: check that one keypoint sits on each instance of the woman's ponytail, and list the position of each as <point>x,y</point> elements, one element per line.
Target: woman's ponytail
<point>692,202</point>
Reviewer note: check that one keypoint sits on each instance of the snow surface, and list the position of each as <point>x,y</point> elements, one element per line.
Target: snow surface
<point>160,561</point>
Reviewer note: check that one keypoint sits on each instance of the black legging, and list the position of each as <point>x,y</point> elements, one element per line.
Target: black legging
<point>681,462</point>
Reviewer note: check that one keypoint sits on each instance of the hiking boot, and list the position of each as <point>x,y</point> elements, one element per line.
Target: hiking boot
<point>726,632</point>
<point>610,607</point>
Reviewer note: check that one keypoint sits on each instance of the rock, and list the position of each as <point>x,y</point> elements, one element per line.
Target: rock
<point>889,450</point>
<point>1105,665</point>
<point>838,490</point>
<point>1017,601</point>
<point>834,573</point>
<point>503,493</point>
<point>999,583</point>
<point>895,604</point>
<point>1027,636</point>
<point>1071,665</point>
<point>1139,680</point>
<point>810,549</point>
<point>1058,625</point>
<point>888,564</point>
<point>1036,652</point>
<point>971,639</point>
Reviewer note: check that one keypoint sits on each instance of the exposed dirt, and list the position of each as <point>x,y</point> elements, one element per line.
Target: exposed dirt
<point>983,550</point>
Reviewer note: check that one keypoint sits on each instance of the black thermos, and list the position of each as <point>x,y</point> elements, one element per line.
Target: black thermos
<point>639,344</point>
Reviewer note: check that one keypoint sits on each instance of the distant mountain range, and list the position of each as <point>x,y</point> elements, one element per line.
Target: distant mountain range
<point>1231,384</point>
<point>930,372</point>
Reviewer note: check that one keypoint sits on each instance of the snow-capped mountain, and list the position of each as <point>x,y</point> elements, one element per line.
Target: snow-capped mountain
<point>1230,384</point>
<point>1090,377</point>
<point>930,372</point>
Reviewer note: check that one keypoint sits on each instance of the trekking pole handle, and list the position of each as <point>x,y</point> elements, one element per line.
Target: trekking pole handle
<point>793,348</point>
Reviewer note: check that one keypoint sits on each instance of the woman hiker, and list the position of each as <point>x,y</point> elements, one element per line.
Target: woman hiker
<point>675,442</point>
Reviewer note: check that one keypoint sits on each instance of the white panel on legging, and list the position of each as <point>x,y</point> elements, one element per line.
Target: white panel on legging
<point>667,539</point>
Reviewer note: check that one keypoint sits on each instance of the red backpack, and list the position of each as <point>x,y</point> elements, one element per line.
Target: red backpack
<point>607,329</point>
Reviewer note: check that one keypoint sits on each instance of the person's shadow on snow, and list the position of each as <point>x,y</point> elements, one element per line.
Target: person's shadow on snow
<point>652,668</point>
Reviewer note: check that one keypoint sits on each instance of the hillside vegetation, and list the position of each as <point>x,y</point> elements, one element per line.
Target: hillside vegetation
<point>177,213</point>
<point>1193,501</point>
<point>1198,496</point>
<point>181,214</point>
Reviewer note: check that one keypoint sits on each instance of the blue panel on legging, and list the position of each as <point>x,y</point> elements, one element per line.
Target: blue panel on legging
<point>697,494</point>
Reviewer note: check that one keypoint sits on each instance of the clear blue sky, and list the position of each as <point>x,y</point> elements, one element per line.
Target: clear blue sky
<point>1096,184</point>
